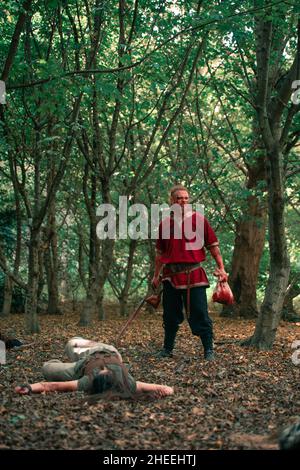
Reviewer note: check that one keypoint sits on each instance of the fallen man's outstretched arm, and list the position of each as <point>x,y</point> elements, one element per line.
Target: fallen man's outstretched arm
<point>41,387</point>
<point>158,391</point>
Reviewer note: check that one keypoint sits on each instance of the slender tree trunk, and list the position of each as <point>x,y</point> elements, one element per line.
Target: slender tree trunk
<point>106,262</point>
<point>24,14</point>
<point>248,248</point>
<point>123,299</point>
<point>81,270</point>
<point>41,281</point>
<point>53,300</point>
<point>250,236</point>
<point>99,303</point>
<point>95,295</point>
<point>271,102</point>
<point>7,297</point>
<point>52,282</point>
<point>288,311</point>
<point>52,263</point>
<point>93,240</point>
<point>95,257</point>
<point>270,314</point>
<point>9,284</point>
<point>64,288</point>
<point>151,254</point>
<point>89,304</point>
<point>32,286</point>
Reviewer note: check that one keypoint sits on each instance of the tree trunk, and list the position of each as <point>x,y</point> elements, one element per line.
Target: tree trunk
<point>32,286</point>
<point>65,288</point>
<point>51,271</point>
<point>106,262</point>
<point>151,255</point>
<point>51,264</point>
<point>248,248</point>
<point>7,297</point>
<point>89,304</point>
<point>288,311</point>
<point>9,284</point>
<point>123,299</point>
<point>99,303</point>
<point>81,254</point>
<point>94,243</point>
<point>269,317</point>
<point>24,14</point>
<point>270,314</point>
<point>102,264</point>
<point>250,236</point>
<point>273,90</point>
<point>94,299</point>
<point>41,281</point>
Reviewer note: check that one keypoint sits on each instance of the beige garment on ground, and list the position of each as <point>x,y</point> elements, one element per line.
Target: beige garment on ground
<point>79,348</point>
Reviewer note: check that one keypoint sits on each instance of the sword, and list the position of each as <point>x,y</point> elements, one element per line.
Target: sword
<point>153,300</point>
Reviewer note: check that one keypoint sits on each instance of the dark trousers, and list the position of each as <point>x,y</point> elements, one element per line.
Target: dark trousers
<point>199,321</point>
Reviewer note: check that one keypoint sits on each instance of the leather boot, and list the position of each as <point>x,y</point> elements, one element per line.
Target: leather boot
<point>208,346</point>
<point>169,342</point>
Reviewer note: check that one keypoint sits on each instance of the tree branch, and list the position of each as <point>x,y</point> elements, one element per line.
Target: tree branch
<point>148,55</point>
<point>15,39</point>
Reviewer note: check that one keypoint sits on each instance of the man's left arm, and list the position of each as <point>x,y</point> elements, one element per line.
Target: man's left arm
<point>220,271</point>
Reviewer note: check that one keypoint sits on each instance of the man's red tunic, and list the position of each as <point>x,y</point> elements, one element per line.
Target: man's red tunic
<point>175,250</point>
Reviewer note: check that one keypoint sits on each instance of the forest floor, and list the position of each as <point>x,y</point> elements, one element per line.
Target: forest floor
<point>242,400</point>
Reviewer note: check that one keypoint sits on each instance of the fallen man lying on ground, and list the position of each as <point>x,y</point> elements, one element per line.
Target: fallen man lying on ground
<point>97,368</point>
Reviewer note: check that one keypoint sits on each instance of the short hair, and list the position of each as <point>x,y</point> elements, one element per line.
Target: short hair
<point>177,187</point>
<point>110,385</point>
<point>105,386</point>
<point>290,437</point>
<point>102,383</point>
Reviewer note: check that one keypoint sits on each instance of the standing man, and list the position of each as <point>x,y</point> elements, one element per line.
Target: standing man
<point>184,279</point>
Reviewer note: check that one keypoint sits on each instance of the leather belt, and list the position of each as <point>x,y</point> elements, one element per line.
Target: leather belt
<point>183,268</point>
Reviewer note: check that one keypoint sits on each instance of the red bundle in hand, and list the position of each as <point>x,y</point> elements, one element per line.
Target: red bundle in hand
<point>222,294</point>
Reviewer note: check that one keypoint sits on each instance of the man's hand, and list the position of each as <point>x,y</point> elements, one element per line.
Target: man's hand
<point>221,275</point>
<point>23,389</point>
<point>163,391</point>
<point>155,282</point>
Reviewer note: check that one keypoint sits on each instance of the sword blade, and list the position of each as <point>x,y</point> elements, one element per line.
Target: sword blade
<point>130,319</point>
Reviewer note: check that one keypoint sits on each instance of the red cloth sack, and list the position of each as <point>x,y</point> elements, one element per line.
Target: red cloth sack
<point>223,294</point>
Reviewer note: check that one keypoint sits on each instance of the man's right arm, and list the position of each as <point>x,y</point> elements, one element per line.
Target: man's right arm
<point>41,387</point>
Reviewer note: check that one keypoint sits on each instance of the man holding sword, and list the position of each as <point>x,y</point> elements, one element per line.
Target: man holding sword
<point>184,279</point>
